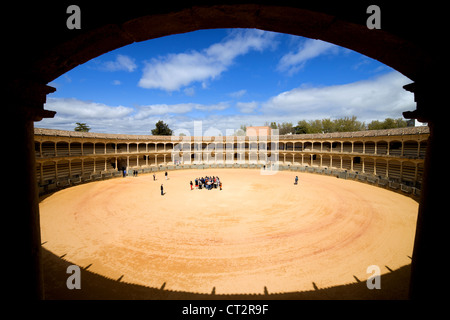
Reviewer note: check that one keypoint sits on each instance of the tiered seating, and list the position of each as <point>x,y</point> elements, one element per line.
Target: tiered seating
<point>369,147</point>
<point>316,150</point>
<point>381,166</point>
<point>382,147</point>
<point>358,147</point>
<point>63,169</point>
<point>75,167</point>
<point>62,149</point>
<point>346,163</point>
<point>347,147</point>
<point>395,148</point>
<point>48,172</point>
<point>408,171</point>
<point>75,149</point>
<point>394,170</point>
<point>410,149</point>
<point>88,148</point>
<point>99,148</point>
<point>48,149</point>
<point>110,148</point>
<point>357,164</point>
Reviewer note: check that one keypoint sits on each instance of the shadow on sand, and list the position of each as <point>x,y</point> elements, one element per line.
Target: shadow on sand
<point>394,286</point>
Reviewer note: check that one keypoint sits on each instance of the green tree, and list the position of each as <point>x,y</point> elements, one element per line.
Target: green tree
<point>348,124</point>
<point>285,128</point>
<point>161,129</point>
<point>327,125</point>
<point>302,127</point>
<point>82,127</point>
<point>388,123</point>
<point>315,126</point>
<point>375,125</point>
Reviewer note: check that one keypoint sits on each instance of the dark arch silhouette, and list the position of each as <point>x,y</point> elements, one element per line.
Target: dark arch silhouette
<point>40,48</point>
<point>105,27</point>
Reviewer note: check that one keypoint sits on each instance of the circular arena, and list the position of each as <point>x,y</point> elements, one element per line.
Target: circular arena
<point>260,233</point>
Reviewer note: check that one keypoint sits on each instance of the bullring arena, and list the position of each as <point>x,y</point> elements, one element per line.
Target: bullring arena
<point>354,206</point>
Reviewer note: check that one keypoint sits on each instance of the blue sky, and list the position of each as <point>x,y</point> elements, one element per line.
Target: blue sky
<point>224,78</point>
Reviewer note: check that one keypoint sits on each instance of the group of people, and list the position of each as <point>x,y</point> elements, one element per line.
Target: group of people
<point>207,183</point>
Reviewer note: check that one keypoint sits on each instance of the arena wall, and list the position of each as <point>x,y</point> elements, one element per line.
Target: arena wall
<point>391,158</point>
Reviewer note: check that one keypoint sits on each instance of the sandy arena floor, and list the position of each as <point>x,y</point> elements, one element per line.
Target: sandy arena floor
<point>259,231</point>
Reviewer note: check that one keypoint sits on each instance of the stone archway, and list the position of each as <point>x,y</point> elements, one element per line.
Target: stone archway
<point>43,49</point>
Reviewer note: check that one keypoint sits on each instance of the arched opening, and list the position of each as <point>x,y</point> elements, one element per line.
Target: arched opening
<point>62,149</point>
<point>63,52</point>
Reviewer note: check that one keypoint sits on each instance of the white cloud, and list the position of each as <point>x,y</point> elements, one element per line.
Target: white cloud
<point>247,107</point>
<point>178,70</point>
<point>120,119</point>
<point>122,63</point>
<point>189,91</point>
<point>376,98</point>
<point>100,117</point>
<point>162,109</point>
<point>310,49</point>
<point>212,107</point>
<point>74,108</point>
<point>238,94</point>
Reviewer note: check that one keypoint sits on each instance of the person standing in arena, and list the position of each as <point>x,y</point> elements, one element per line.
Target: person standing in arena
<point>191,184</point>
<point>162,190</point>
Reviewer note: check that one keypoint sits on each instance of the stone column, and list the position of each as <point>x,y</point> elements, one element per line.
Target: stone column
<point>24,104</point>
<point>431,235</point>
